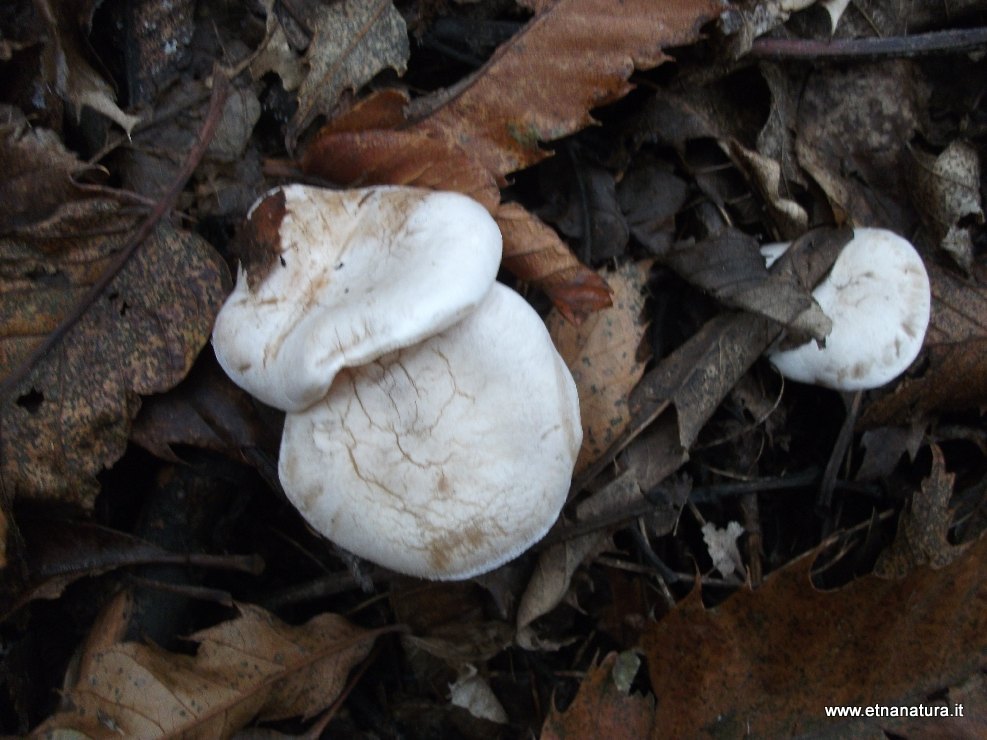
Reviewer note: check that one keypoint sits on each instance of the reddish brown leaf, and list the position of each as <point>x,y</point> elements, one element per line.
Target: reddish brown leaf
<point>601,709</point>
<point>377,157</point>
<point>539,86</point>
<point>382,109</point>
<point>767,663</point>
<point>536,254</point>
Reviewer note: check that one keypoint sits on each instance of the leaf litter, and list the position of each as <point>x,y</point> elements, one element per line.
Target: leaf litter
<point>643,234</point>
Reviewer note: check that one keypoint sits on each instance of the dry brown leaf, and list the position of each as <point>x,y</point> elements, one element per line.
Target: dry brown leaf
<point>602,355</point>
<point>766,663</point>
<point>378,157</point>
<point>352,41</point>
<point>70,416</point>
<point>602,709</point>
<point>534,253</point>
<point>574,55</point>
<point>252,667</point>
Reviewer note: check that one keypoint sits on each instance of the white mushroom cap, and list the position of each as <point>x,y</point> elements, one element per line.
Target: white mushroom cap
<point>878,298</point>
<point>359,274</point>
<point>445,459</point>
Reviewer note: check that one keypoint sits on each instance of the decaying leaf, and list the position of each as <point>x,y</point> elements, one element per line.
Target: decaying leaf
<point>352,41</point>
<point>574,55</point>
<point>722,547</point>
<point>768,662</point>
<point>604,707</point>
<point>602,354</point>
<point>534,252</point>
<point>923,527</point>
<point>38,172</point>
<point>252,667</point>
<point>70,416</point>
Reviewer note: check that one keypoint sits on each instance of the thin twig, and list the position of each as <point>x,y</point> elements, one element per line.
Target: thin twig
<point>959,41</point>
<point>221,89</point>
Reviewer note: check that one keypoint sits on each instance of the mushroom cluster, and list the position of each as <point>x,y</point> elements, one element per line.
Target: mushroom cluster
<point>878,297</point>
<point>432,427</point>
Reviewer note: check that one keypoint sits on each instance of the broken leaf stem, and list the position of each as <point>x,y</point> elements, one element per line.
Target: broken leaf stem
<point>221,90</point>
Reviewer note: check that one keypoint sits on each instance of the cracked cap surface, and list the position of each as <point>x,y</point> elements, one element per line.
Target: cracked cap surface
<point>446,459</point>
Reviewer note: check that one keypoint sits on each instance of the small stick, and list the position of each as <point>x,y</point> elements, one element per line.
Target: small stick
<point>959,41</point>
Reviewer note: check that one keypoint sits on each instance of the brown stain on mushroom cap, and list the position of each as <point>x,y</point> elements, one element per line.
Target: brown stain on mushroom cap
<point>258,241</point>
<point>454,546</point>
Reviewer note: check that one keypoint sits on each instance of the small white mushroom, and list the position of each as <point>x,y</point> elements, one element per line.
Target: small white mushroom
<point>444,459</point>
<point>358,274</point>
<point>878,297</point>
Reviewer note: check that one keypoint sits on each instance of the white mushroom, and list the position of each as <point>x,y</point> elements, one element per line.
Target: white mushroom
<point>878,298</point>
<point>431,426</point>
<point>445,459</point>
<point>359,273</point>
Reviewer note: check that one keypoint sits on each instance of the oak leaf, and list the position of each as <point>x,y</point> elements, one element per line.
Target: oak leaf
<point>767,662</point>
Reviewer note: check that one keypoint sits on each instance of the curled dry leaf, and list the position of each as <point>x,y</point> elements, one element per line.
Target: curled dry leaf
<point>946,192</point>
<point>730,267</point>
<point>252,667</point>
<point>697,376</point>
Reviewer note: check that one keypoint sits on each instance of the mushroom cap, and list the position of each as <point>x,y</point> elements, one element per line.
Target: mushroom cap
<point>445,459</point>
<point>360,273</point>
<point>878,298</point>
